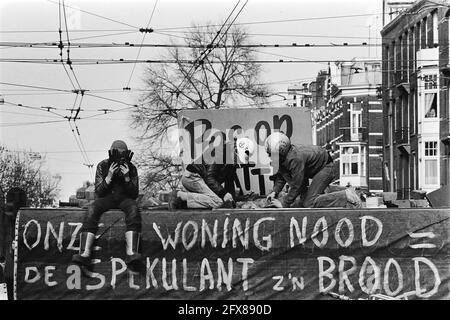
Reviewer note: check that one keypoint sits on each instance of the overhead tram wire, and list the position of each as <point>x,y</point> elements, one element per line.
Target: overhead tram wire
<point>17,124</point>
<point>140,47</point>
<point>77,137</point>
<point>69,62</point>
<point>35,87</point>
<point>74,30</point>
<point>193,67</point>
<point>275,21</point>
<point>170,29</point>
<point>209,48</point>
<point>284,56</point>
<point>83,155</point>
<point>98,16</point>
<point>104,35</point>
<point>206,47</point>
<point>29,114</point>
<point>87,62</point>
<point>169,32</point>
<point>49,109</point>
<point>171,35</point>
<point>61,46</point>
<point>73,109</point>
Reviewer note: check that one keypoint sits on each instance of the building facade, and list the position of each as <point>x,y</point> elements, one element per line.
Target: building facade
<point>416,99</point>
<point>350,124</point>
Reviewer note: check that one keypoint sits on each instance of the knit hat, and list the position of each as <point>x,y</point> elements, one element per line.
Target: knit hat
<point>119,145</point>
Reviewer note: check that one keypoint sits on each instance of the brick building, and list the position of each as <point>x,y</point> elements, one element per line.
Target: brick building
<point>350,123</point>
<point>416,99</point>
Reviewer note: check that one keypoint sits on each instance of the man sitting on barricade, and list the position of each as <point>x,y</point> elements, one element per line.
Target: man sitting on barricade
<point>117,186</point>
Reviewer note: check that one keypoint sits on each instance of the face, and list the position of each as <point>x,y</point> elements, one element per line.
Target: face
<point>121,156</point>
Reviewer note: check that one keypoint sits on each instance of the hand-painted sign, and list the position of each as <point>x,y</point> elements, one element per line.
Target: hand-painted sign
<point>240,254</point>
<point>203,134</point>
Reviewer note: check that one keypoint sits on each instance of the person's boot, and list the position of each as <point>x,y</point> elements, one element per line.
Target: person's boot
<point>83,258</point>
<point>134,258</point>
<point>229,204</point>
<point>175,202</point>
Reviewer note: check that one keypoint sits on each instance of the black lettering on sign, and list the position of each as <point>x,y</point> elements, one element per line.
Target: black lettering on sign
<point>258,128</point>
<point>246,174</point>
<point>278,122</point>
<point>190,127</point>
<point>283,123</point>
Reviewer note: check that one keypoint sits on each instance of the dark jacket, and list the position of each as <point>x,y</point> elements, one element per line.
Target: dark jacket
<point>117,184</point>
<point>300,164</point>
<point>215,175</point>
<point>197,168</point>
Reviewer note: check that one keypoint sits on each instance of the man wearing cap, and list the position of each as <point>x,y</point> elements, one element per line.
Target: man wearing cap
<point>210,186</point>
<point>116,186</point>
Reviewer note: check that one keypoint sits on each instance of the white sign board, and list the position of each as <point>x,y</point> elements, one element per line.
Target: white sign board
<point>203,133</point>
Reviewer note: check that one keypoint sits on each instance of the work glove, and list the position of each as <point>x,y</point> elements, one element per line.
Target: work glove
<point>129,155</point>
<point>271,196</point>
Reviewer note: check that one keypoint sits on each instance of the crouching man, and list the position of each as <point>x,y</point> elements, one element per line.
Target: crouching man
<point>116,185</point>
<point>203,182</point>
<point>296,165</point>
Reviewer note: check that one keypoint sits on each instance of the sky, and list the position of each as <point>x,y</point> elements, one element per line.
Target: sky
<point>117,21</point>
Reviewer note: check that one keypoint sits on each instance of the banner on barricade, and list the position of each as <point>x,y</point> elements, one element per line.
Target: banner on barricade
<point>240,254</point>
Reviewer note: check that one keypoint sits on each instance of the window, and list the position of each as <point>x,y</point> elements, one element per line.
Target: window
<point>431,162</point>
<point>423,37</point>
<point>435,28</point>
<point>394,62</point>
<point>414,171</point>
<point>430,105</point>
<point>418,36</point>
<point>350,160</point>
<point>406,57</point>
<point>414,112</point>
<point>430,148</point>
<point>400,56</point>
<point>353,159</point>
<point>362,161</point>
<point>388,64</point>
<point>355,120</point>
<point>430,85</point>
<point>430,81</point>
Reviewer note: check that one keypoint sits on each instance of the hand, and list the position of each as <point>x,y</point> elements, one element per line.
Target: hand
<point>271,196</point>
<point>276,203</point>
<point>125,171</point>
<point>228,197</point>
<point>112,170</point>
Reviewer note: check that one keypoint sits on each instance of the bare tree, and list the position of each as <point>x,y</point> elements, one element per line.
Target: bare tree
<point>161,172</point>
<point>20,170</point>
<point>208,75</point>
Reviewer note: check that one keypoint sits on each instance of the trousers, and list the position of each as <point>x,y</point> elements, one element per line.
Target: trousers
<point>113,201</point>
<point>315,196</point>
<point>199,195</point>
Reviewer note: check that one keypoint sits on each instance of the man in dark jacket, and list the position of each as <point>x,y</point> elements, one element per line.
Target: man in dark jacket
<point>116,186</point>
<point>211,186</point>
<point>298,164</point>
